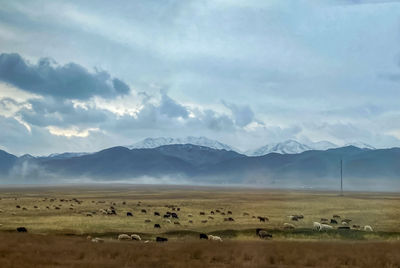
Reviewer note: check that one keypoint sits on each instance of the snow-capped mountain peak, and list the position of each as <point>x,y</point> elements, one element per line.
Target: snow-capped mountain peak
<point>149,143</point>
<point>361,145</point>
<point>286,147</point>
<point>322,145</point>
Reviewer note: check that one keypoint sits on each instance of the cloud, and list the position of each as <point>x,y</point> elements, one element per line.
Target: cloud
<point>171,108</point>
<point>49,111</point>
<point>71,132</point>
<point>243,115</point>
<point>69,81</point>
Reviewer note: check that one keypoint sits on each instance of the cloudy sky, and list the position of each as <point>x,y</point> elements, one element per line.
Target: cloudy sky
<point>86,75</point>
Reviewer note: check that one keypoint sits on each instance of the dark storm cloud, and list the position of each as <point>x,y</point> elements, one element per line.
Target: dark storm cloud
<point>70,81</point>
<point>62,113</point>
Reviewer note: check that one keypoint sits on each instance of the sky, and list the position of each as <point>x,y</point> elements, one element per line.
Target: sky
<point>87,75</point>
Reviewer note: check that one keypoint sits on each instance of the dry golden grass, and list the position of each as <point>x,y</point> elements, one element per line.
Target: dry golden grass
<point>378,210</point>
<point>27,250</point>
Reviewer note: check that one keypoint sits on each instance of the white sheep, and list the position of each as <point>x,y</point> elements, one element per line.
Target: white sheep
<point>317,226</point>
<point>124,237</point>
<point>214,238</point>
<point>325,227</point>
<point>368,228</point>
<point>97,240</point>
<point>136,237</point>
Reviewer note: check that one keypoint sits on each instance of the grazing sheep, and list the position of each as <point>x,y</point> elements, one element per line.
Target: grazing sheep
<point>124,237</point>
<point>246,214</point>
<point>231,219</point>
<point>190,215</point>
<point>22,230</point>
<point>136,237</point>
<point>264,234</point>
<point>157,225</point>
<point>336,216</point>
<point>356,226</point>
<point>214,238</point>
<point>89,214</point>
<point>317,226</point>
<point>293,218</point>
<point>346,220</point>
<point>288,226</point>
<point>156,213</point>
<point>324,220</point>
<point>210,217</point>
<point>144,211</point>
<point>229,212</point>
<point>334,221</point>
<point>204,221</point>
<point>202,213</point>
<point>129,214</point>
<point>217,210</point>
<point>345,223</point>
<point>203,236</point>
<point>97,240</point>
<point>18,206</point>
<point>147,221</point>
<point>190,221</point>
<point>263,219</point>
<point>168,221</point>
<point>174,215</point>
<point>161,239</point>
<point>326,227</point>
<point>177,223</point>
<point>212,212</point>
<point>368,228</point>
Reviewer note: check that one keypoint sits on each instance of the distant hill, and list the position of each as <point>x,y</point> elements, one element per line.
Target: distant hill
<point>204,165</point>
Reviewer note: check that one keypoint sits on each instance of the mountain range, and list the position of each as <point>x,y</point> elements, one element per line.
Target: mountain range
<point>363,168</point>
<point>285,147</point>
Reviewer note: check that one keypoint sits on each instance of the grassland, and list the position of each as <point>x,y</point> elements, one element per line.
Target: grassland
<point>381,211</point>
<point>64,230</point>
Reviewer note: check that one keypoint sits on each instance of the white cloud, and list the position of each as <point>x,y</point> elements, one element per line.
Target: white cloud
<point>71,132</point>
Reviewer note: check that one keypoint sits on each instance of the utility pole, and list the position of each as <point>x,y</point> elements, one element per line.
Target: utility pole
<point>341,177</point>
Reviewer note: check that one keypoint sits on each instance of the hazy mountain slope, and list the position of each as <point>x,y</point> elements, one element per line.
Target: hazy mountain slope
<point>119,162</point>
<point>197,155</point>
<point>199,164</point>
<point>7,161</point>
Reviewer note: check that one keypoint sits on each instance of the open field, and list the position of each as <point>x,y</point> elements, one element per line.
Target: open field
<point>381,211</point>
<point>62,232</point>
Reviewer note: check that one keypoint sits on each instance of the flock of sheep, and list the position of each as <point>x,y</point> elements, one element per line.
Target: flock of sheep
<point>171,216</point>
